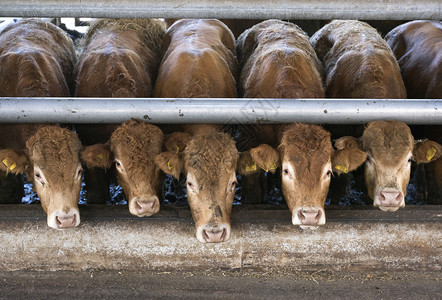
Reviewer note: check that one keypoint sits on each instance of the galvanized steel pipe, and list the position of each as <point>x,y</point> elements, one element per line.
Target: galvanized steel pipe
<point>219,111</point>
<point>246,9</point>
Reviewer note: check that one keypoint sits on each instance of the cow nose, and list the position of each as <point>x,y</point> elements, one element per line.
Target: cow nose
<point>145,207</point>
<point>308,217</point>
<point>214,234</point>
<point>390,198</point>
<point>65,221</point>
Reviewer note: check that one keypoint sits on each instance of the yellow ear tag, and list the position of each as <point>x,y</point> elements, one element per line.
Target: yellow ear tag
<point>251,168</point>
<point>100,158</point>
<point>8,164</point>
<point>177,149</point>
<point>341,168</point>
<point>430,153</point>
<point>169,166</point>
<point>273,167</point>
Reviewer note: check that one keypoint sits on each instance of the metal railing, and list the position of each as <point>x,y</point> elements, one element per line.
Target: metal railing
<point>244,9</point>
<point>219,111</point>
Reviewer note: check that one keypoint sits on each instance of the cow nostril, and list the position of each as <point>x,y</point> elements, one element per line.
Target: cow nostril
<point>214,235</point>
<point>138,206</point>
<point>205,236</point>
<point>301,215</point>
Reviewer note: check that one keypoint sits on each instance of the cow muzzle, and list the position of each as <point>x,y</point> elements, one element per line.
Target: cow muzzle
<point>213,234</point>
<point>61,220</point>
<point>389,199</point>
<point>308,217</point>
<point>144,206</point>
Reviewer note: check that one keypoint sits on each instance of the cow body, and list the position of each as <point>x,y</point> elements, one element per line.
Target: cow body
<point>120,59</point>
<point>358,63</point>
<point>37,60</point>
<point>278,62</point>
<point>417,46</point>
<point>199,61</point>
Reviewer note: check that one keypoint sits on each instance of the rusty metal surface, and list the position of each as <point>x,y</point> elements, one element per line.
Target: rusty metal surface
<point>354,239</point>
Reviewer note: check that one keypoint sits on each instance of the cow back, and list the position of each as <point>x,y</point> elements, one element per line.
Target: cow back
<point>36,60</point>
<point>120,58</point>
<point>199,61</point>
<point>417,46</point>
<point>277,61</point>
<point>358,63</point>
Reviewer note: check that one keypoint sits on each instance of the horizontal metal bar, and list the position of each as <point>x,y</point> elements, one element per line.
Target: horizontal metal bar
<point>246,9</point>
<point>219,110</point>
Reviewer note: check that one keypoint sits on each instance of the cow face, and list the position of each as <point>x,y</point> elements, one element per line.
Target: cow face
<point>133,146</point>
<point>209,164</point>
<point>390,148</point>
<point>52,162</point>
<point>307,161</point>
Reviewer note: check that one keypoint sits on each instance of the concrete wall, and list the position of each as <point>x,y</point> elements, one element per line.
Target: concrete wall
<point>356,239</point>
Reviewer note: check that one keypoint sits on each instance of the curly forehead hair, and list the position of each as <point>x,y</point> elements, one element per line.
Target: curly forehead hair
<point>208,152</point>
<point>387,140</point>
<point>306,138</point>
<point>139,138</point>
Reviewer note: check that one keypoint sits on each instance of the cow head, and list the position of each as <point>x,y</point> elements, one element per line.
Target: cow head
<point>209,163</point>
<point>390,148</point>
<point>307,162</point>
<point>133,146</point>
<point>52,162</point>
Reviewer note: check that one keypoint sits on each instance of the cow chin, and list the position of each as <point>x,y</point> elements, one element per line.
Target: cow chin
<point>144,206</point>
<point>60,219</point>
<point>308,217</point>
<point>213,234</point>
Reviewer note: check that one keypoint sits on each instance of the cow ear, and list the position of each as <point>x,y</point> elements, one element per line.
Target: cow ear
<point>347,142</point>
<point>12,161</point>
<point>246,165</point>
<point>176,142</point>
<point>427,151</point>
<point>98,156</point>
<point>347,160</point>
<point>265,157</point>
<point>170,163</point>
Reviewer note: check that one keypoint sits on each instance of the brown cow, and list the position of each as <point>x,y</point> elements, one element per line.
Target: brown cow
<point>358,63</point>
<point>418,49</point>
<point>278,62</point>
<point>390,148</point>
<point>417,46</point>
<point>36,60</point>
<point>200,61</point>
<point>133,146</point>
<point>120,59</point>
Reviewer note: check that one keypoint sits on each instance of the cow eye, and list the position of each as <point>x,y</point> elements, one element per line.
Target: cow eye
<point>117,163</point>
<point>37,175</point>
<point>189,184</point>
<point>329,173</point>
<point>286,171</point>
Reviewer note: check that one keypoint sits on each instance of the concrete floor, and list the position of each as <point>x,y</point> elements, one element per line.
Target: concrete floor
<point>219,285</point>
